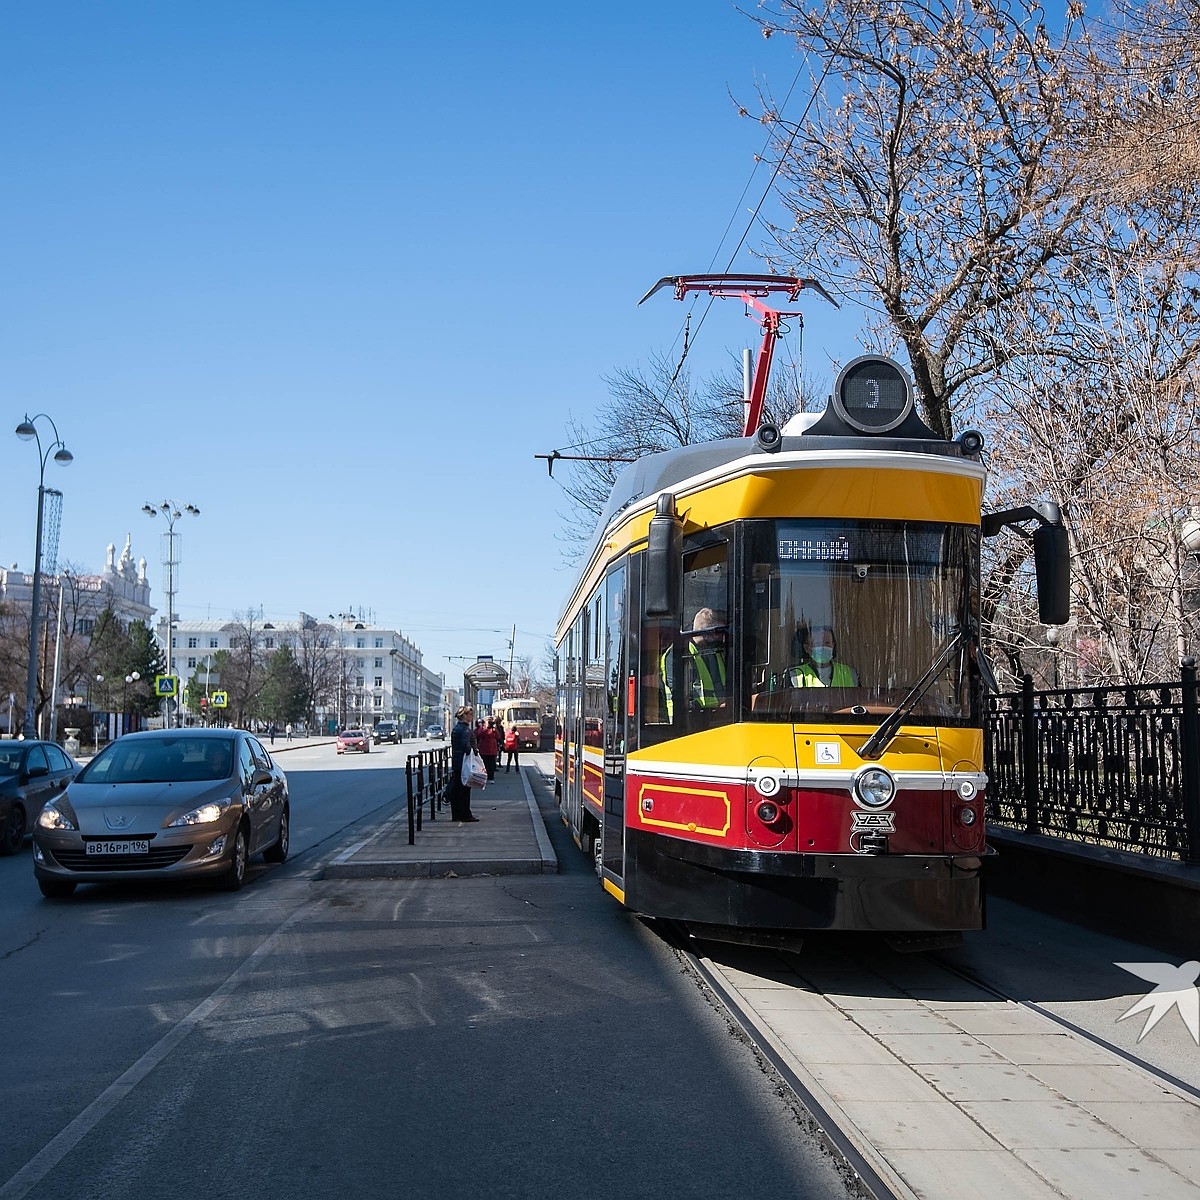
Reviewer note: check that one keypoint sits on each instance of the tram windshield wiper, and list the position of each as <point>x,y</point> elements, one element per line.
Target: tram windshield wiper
<point>879,741</point>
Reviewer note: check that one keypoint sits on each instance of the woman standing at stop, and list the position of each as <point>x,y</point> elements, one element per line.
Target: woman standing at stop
<point>462,740</point>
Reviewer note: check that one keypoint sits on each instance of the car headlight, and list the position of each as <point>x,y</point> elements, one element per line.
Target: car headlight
<point>54,817</point>
<point>874,787</point>
<point>206,814</point>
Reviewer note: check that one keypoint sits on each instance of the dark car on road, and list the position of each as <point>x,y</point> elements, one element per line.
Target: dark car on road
<point>386,731</point>
<point>166,804</point>
<point>30,774</point>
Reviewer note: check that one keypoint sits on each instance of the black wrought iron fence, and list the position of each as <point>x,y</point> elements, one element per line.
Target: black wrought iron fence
<point>426,774</point>
<point>1115,766</point>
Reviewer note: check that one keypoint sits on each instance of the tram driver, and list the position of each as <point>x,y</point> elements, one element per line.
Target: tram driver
<point>817,663</point>
<point>706,662</point>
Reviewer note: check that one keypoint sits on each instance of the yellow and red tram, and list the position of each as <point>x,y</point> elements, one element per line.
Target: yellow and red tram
<point>522,714</point>
<point>720,769</point>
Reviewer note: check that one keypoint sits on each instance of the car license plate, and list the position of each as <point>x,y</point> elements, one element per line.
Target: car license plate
<point>137,846</point>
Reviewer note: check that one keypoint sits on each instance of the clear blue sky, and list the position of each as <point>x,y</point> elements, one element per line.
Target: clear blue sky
<point>335,273</point>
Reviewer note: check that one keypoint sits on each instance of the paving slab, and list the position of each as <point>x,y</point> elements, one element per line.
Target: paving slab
<point>1002,1104</point>
<point>509,838</point>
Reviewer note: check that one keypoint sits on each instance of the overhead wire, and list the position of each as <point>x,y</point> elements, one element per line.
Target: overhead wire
<point>760,158</point>
<point>686,332</point>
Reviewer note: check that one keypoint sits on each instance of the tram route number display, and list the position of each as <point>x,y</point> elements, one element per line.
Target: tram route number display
<point>814,549</point>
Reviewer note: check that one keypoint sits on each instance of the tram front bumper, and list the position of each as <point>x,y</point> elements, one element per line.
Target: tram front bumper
<point>748,889</point>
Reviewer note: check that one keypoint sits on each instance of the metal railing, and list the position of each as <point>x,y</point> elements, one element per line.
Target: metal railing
<point>1113,766</point>
<point>426,773</point>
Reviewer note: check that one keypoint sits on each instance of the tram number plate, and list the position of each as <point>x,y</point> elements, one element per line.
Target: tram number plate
<point>95,849</point>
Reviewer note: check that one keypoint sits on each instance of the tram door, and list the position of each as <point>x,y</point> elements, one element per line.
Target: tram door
<point>575,691</point>
<point>616,672</point>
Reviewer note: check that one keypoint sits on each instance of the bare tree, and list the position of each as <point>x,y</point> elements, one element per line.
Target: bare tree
<point>926,177</point>
<point>318,652</point>
<point>653,409</point>
<point>1140,140</point>
<point>243,671</point>
<point>1113,435</point>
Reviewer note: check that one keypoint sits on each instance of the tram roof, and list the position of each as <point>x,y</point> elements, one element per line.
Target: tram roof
<point>655,473</point>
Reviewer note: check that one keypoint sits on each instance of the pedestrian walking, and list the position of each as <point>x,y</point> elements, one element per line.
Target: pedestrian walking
<point>512,744</point>
<point>271,731</point>
<point>288,730</point>
<point>462,740</point>
<point>489,751</point>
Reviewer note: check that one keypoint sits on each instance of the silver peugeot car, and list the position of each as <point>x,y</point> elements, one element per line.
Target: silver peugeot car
<point>167,804</point>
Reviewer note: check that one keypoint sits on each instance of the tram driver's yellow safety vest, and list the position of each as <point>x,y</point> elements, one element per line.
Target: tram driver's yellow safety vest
<point>710,684</point>
<point>805,675</point>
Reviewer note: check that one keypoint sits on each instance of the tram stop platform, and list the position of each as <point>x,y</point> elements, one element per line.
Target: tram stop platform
<point>509,838</point>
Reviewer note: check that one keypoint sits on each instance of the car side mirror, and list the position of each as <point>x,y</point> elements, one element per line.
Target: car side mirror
<point>260,777</point>
<point>38,772</point>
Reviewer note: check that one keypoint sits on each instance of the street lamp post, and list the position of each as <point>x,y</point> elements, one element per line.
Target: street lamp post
<point>172,511</point>
<point>26,430</point>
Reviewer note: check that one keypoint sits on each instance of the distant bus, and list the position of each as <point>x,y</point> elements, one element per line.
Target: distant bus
<point>523,713</point>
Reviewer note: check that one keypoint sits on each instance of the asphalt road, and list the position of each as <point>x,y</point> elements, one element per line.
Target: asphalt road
<point>515,1036</point>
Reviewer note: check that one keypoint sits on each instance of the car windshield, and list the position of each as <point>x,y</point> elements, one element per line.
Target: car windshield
<point>353,733</point>
<point>10,758</point>
<point>181,759</point>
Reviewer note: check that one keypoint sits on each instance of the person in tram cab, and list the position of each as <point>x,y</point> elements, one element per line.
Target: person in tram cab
<point>819,665</point>
<point>706,659</point>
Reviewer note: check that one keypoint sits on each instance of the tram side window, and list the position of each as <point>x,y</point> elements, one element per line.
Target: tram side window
<point>687,668</point>
<point>593,674</point>
<point>614,740</point>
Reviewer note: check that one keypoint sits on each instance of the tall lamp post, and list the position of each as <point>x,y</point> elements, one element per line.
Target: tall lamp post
<point>25,431</point>
<point>172,511</point>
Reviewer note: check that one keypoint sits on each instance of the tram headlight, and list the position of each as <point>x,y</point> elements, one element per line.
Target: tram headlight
<point>967,817</point>
<point>966,789</point>
<point>874,787</point>
<point>766,785</point>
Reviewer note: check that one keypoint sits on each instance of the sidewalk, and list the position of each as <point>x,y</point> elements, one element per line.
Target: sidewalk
<point>509,838</point>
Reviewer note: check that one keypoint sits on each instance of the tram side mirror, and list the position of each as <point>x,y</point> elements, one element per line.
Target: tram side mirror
<point>1052,564</point>
<point>664,560</point>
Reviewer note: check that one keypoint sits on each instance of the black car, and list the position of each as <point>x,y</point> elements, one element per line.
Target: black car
<point>30,774</point>
<point>386,731</point>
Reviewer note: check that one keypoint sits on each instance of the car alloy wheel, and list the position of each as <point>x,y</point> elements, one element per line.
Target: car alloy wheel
<point>278,853</point>
<point>236,875</point>
<point>14,830</point>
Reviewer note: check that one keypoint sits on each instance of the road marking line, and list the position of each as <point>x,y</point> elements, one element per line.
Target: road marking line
<point>46,1159</point>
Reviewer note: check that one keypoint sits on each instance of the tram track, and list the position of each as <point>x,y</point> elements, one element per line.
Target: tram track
<point>865,1173</point>
<point>776,1002</point>
<point>1078,1030</point>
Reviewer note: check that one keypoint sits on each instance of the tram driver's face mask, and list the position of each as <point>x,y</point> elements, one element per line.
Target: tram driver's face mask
<point>822,655</point>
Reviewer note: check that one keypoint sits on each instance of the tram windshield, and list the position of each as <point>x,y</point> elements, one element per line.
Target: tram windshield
<point>842,618</point>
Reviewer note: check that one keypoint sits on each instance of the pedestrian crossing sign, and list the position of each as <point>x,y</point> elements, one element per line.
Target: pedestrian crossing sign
<point>166,685</point>
<point>220,700</point>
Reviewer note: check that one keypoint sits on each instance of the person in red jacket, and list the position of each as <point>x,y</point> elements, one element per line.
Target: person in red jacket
<point>512,744</point>
<point>488,749</point>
